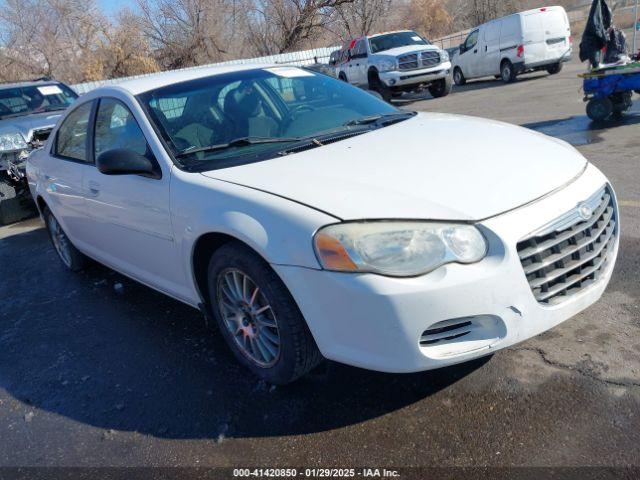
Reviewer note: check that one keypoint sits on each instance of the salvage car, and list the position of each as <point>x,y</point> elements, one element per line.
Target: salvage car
<point>395,62</point>
<point>28,113</point>
<point>311,219</point>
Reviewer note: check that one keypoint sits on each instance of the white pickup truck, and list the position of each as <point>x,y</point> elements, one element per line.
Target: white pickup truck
<point>395,62</point>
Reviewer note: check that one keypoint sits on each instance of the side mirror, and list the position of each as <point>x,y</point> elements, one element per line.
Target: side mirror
<point>461,48</point>
<point>121,161</point>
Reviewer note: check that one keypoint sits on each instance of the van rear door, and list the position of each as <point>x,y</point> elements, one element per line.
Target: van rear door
<point>547,35</point>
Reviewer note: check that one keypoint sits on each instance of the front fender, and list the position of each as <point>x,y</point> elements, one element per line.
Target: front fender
<point>279,230</point>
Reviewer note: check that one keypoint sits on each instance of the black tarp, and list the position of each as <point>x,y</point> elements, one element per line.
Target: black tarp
<point>595,36</point>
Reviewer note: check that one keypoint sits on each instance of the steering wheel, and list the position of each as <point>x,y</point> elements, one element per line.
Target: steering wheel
<point>293,113</point>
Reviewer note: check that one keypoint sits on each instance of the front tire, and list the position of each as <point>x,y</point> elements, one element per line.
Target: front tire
<point>258,317</point>
<point>376,85</point>
<point>507,72</point>
<point>70,256</point>
<point>441,88</point>
<point>458,77</point>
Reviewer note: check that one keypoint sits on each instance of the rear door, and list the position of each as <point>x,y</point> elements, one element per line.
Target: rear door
<point>358,63</point>
<point>63,173</point>
<point>546,35</point>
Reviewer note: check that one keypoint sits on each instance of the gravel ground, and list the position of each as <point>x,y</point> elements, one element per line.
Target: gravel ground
<point>96,370</point>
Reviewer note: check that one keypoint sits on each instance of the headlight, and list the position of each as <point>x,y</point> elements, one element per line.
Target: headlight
<point>386,65</point>
<point>12,141</point>
<point>397,249</point>
<point>444,56</point>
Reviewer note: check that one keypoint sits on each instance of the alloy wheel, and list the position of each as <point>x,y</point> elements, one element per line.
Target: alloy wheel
<point>60,240</point>
<point>248,317</point>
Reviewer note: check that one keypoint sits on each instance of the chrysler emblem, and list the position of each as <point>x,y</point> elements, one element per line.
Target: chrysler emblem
<point>585,211</point>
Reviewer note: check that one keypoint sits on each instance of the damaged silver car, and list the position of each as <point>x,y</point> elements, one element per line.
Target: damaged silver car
<point>28,113</point>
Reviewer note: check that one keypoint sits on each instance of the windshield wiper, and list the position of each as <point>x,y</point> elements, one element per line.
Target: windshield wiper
<point>376,118</point>
<point>238,142</point>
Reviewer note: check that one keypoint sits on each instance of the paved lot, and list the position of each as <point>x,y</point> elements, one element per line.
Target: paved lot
<point>98,370</point>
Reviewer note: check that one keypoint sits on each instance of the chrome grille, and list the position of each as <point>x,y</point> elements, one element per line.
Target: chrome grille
<point>430,59</point>
<point>408,62</point>
<point>571,253</point>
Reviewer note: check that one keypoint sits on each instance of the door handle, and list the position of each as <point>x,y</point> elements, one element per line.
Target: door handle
<point>475,51</point>
<point>486,48</point>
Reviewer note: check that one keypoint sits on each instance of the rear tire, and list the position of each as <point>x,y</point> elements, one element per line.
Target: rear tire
<point>458,77</point>
<point>258,317</point>
<point>507,72</point>
<point>555,69</point>
<point>70,256</point>
<point>599,109</point>
<point>441,88</point>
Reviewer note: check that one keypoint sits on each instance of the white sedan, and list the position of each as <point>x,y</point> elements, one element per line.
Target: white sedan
<point>312,220</point>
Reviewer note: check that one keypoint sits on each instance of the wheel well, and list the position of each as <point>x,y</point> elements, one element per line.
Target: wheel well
<point>504,60</point>
<point>203,249</point>
<point>372,73</point>
<point>342,76</point>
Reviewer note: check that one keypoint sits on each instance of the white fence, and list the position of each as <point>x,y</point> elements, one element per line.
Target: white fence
<point>305,57</point>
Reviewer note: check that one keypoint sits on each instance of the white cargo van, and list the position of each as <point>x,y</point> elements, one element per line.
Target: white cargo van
<point>524,42</point>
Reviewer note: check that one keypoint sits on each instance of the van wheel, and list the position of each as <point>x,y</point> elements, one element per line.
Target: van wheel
<point>507,72</point>
<point>342,76</point>
<point>555,69</point>
<point>258,317</point>
<point>458,76</point>
<point>599,109</point>
<point>376,85</point>
<point>72,258</point>
<point>441,88</point>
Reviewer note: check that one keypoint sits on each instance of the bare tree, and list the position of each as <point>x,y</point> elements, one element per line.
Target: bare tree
<point>277,26</point>
<point>183,33</point>
<point>49,37</point>
<point>429,17</point>
<point>361,17</point>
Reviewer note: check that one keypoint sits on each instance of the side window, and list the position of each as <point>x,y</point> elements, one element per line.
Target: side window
<point>71,140</point>
<point>117,128</point>
<point>472,40</point>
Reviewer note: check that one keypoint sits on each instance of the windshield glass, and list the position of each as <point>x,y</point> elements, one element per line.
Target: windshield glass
<point>243,117</point>
<point>388,41</point>
<point>19,101</point>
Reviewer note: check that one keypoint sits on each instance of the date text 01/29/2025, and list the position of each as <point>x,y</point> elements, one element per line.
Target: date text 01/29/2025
<point>315,473</point>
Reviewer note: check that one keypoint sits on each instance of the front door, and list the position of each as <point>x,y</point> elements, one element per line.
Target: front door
<point>131,213</point>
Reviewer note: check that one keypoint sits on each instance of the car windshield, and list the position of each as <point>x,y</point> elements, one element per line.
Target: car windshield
<point>20,101</point>
<point>242,117</point>
<point>388,41</point>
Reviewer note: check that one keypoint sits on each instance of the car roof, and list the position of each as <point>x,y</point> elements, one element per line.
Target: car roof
<point>146,83</point>
<point>28,83</point>
<point>387,33</point>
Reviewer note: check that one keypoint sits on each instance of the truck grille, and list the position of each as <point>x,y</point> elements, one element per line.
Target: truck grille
<point>571,254</point>
<point>430,59</point>
<point>408,62</point>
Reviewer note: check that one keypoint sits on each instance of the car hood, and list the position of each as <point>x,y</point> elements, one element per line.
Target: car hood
<point>28,123</point>
<point>433,166</point>
<point>398,51</point>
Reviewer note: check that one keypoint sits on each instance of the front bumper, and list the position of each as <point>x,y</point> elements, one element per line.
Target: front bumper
<point>377,322</point>
<point>406,78</point>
